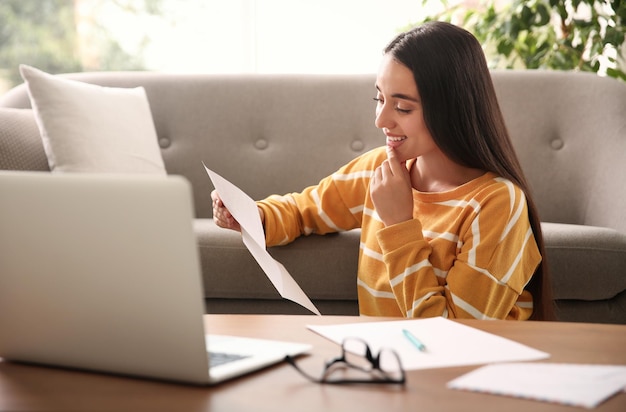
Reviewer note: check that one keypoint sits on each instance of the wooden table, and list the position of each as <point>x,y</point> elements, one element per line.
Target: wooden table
<point>280,388</point>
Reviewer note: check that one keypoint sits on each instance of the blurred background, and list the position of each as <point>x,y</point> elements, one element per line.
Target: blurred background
<point>296,36</point>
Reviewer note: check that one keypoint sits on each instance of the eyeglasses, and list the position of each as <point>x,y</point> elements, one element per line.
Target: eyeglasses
<point>356,355</point>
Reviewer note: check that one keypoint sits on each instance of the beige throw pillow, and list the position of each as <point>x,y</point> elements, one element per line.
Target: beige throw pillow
<point>93,129</point>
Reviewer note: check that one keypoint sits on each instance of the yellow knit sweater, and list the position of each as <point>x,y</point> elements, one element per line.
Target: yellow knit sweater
<point>467,252</point>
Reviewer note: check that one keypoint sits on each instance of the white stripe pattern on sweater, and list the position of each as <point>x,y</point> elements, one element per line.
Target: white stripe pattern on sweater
<point>475,223</point>
<point>437,235</point>
<point>511,189</point>
<point>417,302</point>
<point>469,308</point>
<point>471,258</point>
<point>371,253</point>
<point>462,204</point>
<point>488,274</point>
<point>321,213</point>
<point>357,209</point>
<point>374,292</point>
<point>372,213</point>
<point>513,216</point>
<point>518,258</point>
<point>364,174</point>
<point>408,272</point>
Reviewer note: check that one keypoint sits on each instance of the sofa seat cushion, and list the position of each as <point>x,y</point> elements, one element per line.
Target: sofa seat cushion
<point>596,311</point>
<point>230,271</point>
<point>90,128</point>
<point>586,262</point>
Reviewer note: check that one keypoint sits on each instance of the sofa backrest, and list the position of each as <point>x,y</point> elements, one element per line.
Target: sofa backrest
<point>569,130</point>
<point>266,134</point>
<point>280,133</point>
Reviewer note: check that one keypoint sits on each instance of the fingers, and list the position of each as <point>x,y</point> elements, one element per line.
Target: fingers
<point>217,200</point>
<point>396,167</point>
<point>389,168</point>
<point>385,170</point>
<point>221,216</point>
<point>391,195</point>
<point>219,210</point>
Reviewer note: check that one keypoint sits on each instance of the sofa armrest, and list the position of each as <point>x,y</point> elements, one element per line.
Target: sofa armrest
<point>586,262</point>
<point>588,269</point>
<point>21,147</point>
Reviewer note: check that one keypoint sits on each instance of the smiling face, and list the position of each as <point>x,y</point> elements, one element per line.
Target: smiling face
<point>399,111</point>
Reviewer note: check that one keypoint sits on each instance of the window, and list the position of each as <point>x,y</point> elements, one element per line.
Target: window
<point>208,36</point>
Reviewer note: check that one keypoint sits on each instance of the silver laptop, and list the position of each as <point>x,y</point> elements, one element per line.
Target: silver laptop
<point>101,273</point>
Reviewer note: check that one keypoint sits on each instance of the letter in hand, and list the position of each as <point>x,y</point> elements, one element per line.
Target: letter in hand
<point>391,190</point>
<point>221,216</point>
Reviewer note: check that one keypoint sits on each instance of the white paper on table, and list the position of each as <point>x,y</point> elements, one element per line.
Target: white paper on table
<point>448,343</point>
<point>570,384</point>
<point>246,212</point>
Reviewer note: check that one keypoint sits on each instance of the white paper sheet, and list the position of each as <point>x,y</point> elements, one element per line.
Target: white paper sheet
<point>569,384</point>
<point>245,210</point>
<point>448,343</point>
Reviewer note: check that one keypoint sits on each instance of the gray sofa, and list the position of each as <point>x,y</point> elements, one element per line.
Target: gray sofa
<point>279,133</point>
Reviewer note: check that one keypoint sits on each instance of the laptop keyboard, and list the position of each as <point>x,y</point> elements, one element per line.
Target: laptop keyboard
<point>220,358</point>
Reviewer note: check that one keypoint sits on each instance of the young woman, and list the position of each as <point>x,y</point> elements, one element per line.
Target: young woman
<point>448,224</point>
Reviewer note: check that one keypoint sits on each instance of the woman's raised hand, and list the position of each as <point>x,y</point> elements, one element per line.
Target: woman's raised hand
<point>391,190</point>
<point>221,216</point>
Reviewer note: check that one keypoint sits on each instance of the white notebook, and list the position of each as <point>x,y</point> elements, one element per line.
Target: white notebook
<point>569,384</point>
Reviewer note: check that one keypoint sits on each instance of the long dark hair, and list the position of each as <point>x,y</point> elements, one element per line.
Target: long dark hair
<point>462,113</point>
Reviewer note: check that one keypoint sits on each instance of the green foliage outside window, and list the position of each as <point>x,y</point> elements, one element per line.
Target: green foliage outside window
<point>44,34</point>
<point>39,33</point>
<point>585,35</point>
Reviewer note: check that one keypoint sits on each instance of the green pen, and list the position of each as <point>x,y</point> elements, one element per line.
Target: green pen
<point>414,341</point>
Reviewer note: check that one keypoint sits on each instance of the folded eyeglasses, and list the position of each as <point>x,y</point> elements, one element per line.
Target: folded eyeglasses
<point>357,358</point>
